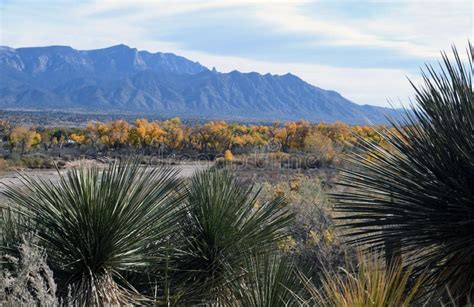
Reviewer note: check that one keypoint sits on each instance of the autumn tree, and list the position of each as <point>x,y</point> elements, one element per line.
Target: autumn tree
<point>118,133</point>
<point>176,134</point>
<point>213,136</point>
<point>292,135</point>
<point>24,138</point>
<point>250,136</point>
<point>338,132</point>
<point>77,138</point>
<point>145,134</point>
<point>320,146</point>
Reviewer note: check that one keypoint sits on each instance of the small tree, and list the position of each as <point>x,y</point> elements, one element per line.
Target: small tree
<point>24,138</point>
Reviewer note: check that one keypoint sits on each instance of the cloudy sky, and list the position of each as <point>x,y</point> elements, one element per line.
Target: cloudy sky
<point>362,49</point>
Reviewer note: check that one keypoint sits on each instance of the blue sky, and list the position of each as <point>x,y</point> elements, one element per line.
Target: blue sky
<point>362,49</point>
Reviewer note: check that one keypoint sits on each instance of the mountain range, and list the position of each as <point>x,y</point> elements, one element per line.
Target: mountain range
<point>123,79</point>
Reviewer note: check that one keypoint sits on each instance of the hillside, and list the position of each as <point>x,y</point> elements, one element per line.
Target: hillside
<point>120,78</point>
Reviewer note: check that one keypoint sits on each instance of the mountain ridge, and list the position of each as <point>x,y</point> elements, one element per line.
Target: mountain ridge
<point>120,78</point>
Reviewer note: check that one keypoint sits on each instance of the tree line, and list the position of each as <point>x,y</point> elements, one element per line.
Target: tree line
<point>173,136</point>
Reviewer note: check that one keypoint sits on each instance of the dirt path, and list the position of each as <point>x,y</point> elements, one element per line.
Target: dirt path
<point>12,178</point>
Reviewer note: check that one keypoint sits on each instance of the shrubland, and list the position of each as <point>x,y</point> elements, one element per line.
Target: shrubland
<point>392,227</point>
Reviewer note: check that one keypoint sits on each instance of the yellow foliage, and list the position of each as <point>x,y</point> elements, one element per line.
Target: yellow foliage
<point>78,138</point>
<point>287,244</point>
<point>294,184</point>
<point>24,138</point>
<point>292,134</point>
<point>328,235</point>
<point>228,156</point>
<point>313,238</point>
<point>279,190</point>
<point>319,145</point>
<point>321,140</point>
<point>145,133</point>
<point>118,132</point>
<point>175,133</point>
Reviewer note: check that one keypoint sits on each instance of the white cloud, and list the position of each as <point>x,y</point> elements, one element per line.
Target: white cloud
<point>416,28</point>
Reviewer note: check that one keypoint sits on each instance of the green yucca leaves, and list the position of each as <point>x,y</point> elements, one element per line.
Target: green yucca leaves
<point>418,195</point>
<point>224,224</point>
<point>98,225</point>
<point>270,281</point>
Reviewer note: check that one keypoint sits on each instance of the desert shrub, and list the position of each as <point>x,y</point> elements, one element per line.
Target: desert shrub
<point>416,199</point>
<point>99,226</point>
<point>13,226</point>
<point>48,163</point>
<point>223,226</point>
<point>4,165</point>
<point>312,238</point>
<point>68,157</point>
<point>371,283</point>
<point>28,281</point>
<point>320,146</point>
<point>33,161</point>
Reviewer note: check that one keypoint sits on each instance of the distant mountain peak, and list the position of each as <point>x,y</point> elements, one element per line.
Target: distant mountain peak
<point>119,46</point>
<point>6,48</point>
<point>120,78</point>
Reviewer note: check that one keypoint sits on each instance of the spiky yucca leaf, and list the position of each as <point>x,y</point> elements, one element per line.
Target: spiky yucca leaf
<point>98,225</point>
<point>224,224</point>
<point>270,280</point>
<point>419,194</point>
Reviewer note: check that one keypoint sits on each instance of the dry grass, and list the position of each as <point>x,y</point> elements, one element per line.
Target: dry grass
<point>370,284</point>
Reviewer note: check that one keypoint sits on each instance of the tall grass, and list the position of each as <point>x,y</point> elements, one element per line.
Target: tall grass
<point>369,284</point>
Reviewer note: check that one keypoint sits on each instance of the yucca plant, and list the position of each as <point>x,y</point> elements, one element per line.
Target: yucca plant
<point>225,224</point>
<point>12,228</point>
<point>416,197</point>
<point>270,281</point>
<point>371,283</point>
<point>97,226</point>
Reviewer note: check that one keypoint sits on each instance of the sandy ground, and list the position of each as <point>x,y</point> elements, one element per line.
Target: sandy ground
<point>12,178</point>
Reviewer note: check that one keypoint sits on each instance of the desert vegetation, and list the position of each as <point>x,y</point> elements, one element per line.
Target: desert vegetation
<point>393,226</point>
<point>38,147</point>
